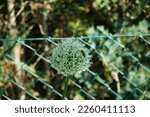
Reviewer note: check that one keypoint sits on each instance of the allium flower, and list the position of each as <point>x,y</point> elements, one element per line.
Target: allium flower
<point>70,57</point>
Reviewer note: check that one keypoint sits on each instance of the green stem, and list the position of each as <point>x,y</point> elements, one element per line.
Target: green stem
<point>66,86</point>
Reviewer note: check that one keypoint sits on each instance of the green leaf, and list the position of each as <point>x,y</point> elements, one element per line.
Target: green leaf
<point>91,31</point>
<point>102,29</point>
<point>143,26</point>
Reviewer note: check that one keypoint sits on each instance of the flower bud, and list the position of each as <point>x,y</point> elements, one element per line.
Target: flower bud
<point>70,57</point>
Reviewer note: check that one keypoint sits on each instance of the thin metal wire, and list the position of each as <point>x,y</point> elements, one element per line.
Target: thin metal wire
<point>6,97</point>
<point>83,37</point>
<point>130,54</point>
<point>51,87</point>
<point>141,37</point>
<point>123,75</point>
<point>96,76</point>
<point>100,80</point>
<point>24,89</point>
<point>21,87</point>
<point>89,95</point>
<point>24,67</point>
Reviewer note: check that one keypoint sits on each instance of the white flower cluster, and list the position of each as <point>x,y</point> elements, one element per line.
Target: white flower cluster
<point>70,57</point>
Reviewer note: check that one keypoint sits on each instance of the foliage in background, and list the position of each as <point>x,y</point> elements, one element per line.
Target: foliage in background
<point>67,18</point>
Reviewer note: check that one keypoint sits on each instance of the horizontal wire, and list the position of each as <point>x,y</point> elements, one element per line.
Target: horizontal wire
<point>83,37</point>
<point>95,75</point>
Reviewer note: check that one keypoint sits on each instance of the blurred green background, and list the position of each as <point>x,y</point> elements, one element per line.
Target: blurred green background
<point>75,18</point>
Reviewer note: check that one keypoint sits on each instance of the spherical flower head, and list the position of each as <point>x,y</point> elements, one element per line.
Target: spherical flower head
<point>70,57</point>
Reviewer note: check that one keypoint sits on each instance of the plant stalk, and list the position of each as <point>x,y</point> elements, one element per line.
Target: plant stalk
<point>66,86</point>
